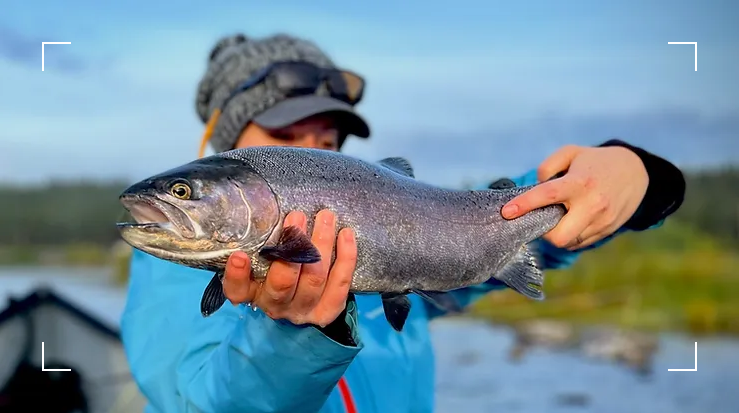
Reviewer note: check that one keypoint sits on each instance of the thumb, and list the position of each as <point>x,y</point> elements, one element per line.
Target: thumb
<point>237,284</point>
<point>558,162</point>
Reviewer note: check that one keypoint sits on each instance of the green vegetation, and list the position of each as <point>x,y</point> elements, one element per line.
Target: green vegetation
<point>62,223</point>
<point>683,276</point>
<point>712,202</point>
<point>60,213</point>
<point>672,278</point>
<point>75,254</point>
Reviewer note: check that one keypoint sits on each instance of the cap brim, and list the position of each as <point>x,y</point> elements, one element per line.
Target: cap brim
<point>296,109</point>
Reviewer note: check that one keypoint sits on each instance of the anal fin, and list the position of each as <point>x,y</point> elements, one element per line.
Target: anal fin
<point>396,307</point>
<point>524,274</point>
<point>213,296</point>
<point>444,301</point>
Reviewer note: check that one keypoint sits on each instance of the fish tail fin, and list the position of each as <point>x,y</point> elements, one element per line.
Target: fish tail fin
<point>524,273</point>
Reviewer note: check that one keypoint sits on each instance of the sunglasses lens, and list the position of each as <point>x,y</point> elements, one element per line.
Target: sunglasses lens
<point>301,78</point>
<point>297,78</point>
<point>354,86</point>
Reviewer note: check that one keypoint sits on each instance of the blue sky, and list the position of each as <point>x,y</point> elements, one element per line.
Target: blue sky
<point>466,90</point>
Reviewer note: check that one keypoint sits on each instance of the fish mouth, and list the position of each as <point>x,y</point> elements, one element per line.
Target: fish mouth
<point>165,231</point>
<point>152,214</point>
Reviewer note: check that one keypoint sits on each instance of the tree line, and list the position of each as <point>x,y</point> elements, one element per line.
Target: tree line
<point>62,213</point>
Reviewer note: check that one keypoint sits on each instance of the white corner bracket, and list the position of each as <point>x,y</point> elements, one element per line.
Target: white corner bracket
<point>696,361</point>
<point>42,361</point>
<point>42,51</point>
<point>696,51</point>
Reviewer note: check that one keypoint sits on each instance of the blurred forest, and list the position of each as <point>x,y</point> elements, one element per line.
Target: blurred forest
<point>683,275</point>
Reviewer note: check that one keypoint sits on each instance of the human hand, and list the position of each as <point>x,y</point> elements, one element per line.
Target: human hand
<point>302,294</point>
<point>601,189</point>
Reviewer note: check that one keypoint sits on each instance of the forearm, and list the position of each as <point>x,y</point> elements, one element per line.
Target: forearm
<point>235,360</point>
<point>264,366</point>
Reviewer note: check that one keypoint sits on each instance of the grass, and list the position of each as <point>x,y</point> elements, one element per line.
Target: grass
<point>77,254</point>
<point>117,256</point>
<point>670,279</point>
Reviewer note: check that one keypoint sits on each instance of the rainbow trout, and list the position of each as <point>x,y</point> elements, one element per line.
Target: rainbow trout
<point>412,237</point>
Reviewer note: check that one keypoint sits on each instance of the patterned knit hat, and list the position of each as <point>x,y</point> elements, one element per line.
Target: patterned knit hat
<point>234,60</point>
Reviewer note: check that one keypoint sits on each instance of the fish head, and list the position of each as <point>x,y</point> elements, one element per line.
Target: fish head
<point>199,213</point>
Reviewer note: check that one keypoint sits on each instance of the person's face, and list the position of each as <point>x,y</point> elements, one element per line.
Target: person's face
<point>319,132</point>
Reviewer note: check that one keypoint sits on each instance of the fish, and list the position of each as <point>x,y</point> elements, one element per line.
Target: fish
<point>412,237</point>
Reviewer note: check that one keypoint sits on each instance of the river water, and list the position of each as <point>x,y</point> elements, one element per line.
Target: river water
<point>475,376</point>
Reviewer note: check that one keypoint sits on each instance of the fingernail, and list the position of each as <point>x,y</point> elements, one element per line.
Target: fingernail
<point>510,210</point>
<point>238,262</point>
<point>348,235</point>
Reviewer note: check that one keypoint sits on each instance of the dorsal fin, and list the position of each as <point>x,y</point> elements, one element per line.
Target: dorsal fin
<point>399,165</point>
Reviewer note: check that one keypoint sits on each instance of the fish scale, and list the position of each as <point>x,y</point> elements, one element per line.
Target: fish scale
<point>448,238</point>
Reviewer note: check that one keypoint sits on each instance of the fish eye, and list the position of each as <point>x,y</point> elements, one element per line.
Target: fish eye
<point>181,191</point>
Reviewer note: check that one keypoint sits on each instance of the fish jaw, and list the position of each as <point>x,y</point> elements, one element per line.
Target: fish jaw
<point>154,232</point>
<point>160,241</point>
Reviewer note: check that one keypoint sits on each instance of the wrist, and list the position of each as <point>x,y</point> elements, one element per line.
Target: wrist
<point>665,191</point>
<point>343,329</point>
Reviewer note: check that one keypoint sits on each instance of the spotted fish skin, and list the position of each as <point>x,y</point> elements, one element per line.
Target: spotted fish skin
<point>411,236</point>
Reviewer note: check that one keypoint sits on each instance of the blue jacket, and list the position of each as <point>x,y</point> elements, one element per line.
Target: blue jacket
<point>239,360</point>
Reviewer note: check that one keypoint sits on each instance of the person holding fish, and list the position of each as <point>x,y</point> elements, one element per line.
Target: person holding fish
<point>296,339</point>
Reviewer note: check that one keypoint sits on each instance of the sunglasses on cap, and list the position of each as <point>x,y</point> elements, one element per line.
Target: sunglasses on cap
<point>302,78</point>
<point>295,79</point>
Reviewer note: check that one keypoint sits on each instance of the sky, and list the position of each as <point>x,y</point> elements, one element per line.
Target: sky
<point>468,90</point>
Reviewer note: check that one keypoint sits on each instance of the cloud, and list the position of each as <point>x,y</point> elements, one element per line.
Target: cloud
<point>138,142</point>
<point>25,50</point>
<point>685,137</point>
<point>465,103</point>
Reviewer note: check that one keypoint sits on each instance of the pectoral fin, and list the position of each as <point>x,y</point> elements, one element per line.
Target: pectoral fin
<point>294,246</point>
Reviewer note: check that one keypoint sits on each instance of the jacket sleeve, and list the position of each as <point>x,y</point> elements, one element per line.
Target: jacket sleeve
<point>236,360</point>
<point>664,196</point>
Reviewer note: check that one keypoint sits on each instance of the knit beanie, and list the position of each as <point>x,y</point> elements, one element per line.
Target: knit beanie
<point>233,60</point>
